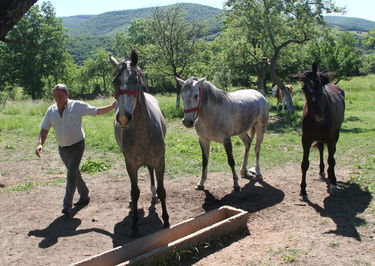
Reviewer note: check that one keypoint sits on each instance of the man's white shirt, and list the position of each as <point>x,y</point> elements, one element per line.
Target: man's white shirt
<point>68,128</point>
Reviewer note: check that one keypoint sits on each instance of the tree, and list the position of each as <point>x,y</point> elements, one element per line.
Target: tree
<point>277,24</point>
<point>138,38</point>
<point>368,63</point>
<point>175,41</point>
<point>45,55</point>
<point>239,58</point>
<point>337,52</point>
<point>97,71</point>
<point>369,41</point>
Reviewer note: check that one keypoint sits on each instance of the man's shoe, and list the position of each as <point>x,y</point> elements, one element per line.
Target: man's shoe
<point>67,212</point>
<point>82,202</point>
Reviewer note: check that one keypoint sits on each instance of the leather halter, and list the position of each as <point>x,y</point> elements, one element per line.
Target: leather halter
<point>130,92</point>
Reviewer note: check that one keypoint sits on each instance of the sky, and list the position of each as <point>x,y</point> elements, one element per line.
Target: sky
<point>354,8</point>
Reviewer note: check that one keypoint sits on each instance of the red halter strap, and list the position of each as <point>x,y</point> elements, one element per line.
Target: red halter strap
<point>121,92</point>
<point>195,109</point>
<point>130,92</point>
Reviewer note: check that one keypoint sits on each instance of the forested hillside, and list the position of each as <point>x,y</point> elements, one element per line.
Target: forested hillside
<point>110,23</point>
<point>350,24</point>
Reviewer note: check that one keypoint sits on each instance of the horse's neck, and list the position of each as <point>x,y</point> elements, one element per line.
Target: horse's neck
<point>142,107</point>
<point>210,103</point>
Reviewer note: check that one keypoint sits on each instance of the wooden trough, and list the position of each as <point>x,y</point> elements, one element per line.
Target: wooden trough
<point>156,246</point>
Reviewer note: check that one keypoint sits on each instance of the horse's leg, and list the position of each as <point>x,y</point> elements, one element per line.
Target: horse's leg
<point>228,148</point>
<point>306,144</point>
<point>161,192</point>
<point>154,198</point>
<point>247,142</point>
<point>205,147</point>
<point>321,164</point>
<point>133,175</point>
<point>332,186</point>
<point>260,129</point>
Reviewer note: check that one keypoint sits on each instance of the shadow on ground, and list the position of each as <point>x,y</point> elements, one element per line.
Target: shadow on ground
<point>343,208</point>
<point>63,226</point>
<point>252,198</point>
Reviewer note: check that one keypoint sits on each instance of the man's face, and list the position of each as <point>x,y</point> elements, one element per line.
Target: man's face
<point>61,97</point>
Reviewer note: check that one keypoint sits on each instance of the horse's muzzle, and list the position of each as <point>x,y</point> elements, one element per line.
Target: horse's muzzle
<point>123,120</point>
<point>188,123</point>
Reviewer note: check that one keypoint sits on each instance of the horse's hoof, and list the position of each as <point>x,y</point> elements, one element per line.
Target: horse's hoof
<point>252,172</point>
<point>322,176</point>
<point>259,177</point>
<point>236,189</point>
<point>332,189</point>
<point>166,225</point>
<point>243,173</point>
<point>152,208</point>
<point>199,187</point>
<point>155,200</point>
<point>303,197</point>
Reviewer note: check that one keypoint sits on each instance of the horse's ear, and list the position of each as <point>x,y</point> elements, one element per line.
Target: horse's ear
<point>297,76</point>
<point>133,58</point>
<point>113,60</point>
<point>180,81</point>
<point>325,77</point>
<point>200,81</point>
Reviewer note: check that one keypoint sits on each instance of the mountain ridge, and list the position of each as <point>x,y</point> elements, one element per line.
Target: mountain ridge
<point>109,23</point>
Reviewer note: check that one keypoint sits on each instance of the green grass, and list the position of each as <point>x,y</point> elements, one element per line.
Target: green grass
<point>29,185</point>
<point>286,255</point>
<point>92,167</point>
<point>20,123</point>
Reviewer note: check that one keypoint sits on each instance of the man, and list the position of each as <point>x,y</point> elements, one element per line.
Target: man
<point>65,116</point>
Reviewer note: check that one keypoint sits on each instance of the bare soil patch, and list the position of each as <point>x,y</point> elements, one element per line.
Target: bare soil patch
<point>325,230</point>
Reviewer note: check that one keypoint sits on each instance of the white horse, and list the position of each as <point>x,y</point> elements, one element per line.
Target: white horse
<point>218,115</point>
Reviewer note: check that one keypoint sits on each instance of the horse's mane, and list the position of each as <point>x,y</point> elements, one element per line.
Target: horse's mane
<point>211,92</point>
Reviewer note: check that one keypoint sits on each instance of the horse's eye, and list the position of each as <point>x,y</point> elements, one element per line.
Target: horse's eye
<point>195,97</point>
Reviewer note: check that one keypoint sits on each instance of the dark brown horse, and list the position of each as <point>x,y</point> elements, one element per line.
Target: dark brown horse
<point>322,117</point>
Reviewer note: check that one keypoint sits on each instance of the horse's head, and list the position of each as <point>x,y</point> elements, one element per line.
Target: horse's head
<point>128,86</point>
<point>191,93</point>
<point>313,83</point>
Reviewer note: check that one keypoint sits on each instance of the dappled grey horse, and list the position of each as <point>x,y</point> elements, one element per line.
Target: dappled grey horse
<point>139,130</point>
<point>218,115</point>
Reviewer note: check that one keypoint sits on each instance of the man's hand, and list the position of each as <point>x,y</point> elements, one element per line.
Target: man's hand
<point>39,150</point>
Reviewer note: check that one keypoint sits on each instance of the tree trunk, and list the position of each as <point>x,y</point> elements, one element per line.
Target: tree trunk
<point>261,81</point>
<point>276,80</point>
<point>104,85</point>
<point>178,91</point>
<point>178,99</point>
<point>11,12</point>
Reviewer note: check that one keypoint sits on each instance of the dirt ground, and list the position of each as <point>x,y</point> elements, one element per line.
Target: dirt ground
<point>282,229</point>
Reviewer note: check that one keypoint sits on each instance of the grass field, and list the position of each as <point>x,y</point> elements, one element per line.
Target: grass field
<point>356,147</point>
